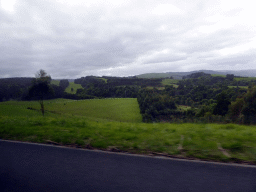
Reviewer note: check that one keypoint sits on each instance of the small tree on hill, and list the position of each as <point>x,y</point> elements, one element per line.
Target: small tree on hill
<point>41,89</point>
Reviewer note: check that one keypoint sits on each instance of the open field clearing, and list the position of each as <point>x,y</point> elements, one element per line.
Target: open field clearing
<point>74,86</point>
<point>245,78</point>
<point>126,110</point>
<point>218,75</point>
<point>183,107</point>
<point>158,88</point>
<point>170,82</point>
<point>241,87</point>
<point>70,86</point>
<point>55,82</point>
<point>77,123</point>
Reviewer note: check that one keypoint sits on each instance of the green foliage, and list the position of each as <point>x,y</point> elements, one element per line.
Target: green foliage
<point>249,108</point>
<point>41,88</point>
<point>64,83</point>
<point>236,109</point>
<point>243,110</point>
<point>223,103</point>
<point>156,107</point>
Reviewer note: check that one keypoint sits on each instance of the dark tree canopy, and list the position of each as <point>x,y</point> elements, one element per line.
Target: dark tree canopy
<point>64,83</point>
<point>249,108</point>
<point>41,89</point>
<point>223,103</point>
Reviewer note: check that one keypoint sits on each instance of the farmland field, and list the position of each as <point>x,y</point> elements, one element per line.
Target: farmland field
<point>172,82</point>
<point>126,110</point>
<point>69,88</point>
<point>241,87</point>
<point>115,124</point>
<point>74,86</point>
<point>55,82</point>
<point>245,78</point>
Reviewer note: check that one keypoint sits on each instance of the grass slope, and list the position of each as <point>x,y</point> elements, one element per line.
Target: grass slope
<point>245,78</point>
<point>153,75</point>
<point>170,82</point>
<point>203,141</point>
<point>126,110</point>
<point>74,86</point>
<point>55,82</point>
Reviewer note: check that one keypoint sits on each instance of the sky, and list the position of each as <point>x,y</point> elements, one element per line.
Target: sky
<point>76,38</point>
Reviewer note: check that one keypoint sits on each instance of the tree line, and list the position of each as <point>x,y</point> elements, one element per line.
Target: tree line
<point>208,98</point>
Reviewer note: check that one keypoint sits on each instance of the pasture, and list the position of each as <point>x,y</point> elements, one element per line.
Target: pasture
<point>73,86</point>
<point>172,82</point>
<point>245,78</point>
<point>115,125</point>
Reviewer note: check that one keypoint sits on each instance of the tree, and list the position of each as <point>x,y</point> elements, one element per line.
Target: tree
<point>223,103</point>
<point>236,109</point>
<point>249,108</point>
<point>230,77</point>
<point>41,88</point>
<point>64,83</point>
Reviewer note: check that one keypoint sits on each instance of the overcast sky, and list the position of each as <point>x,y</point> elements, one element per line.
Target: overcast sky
<point>75,38</point>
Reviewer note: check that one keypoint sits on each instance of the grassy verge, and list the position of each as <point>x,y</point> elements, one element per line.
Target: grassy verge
<point>182,140</point>
<point>218,142</point>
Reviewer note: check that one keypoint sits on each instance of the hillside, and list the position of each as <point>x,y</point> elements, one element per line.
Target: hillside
<point>179,75</point>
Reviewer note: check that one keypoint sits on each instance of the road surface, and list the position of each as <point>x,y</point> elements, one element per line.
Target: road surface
<point>37,167</point>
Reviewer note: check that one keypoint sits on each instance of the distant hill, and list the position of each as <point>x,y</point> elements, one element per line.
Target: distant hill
<point>179,75</point>
<point>69,80</point>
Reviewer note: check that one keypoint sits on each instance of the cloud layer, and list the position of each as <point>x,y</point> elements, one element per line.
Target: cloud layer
<point>76,38</point>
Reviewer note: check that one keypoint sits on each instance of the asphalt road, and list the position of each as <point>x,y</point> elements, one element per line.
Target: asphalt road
<point>34,167</point>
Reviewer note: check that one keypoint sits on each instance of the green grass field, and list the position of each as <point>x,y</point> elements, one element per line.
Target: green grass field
<point>245,78</point>
<point>170,81</point>
<point>158,88</point>
<point>116,124</point>
<point>71,85</point>
<point>242,87</point>
<point>74,86</point>
<point>55,82</point>
<point>217,75</point>
<point>183,107</point>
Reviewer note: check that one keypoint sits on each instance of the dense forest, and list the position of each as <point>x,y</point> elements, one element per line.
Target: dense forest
<point>198,97</point>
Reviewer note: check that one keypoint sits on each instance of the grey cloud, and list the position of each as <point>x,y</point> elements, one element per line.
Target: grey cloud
<point>108,37</point>
<point>238,59</point>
